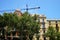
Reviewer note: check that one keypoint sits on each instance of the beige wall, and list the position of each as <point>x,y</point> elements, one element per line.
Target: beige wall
<point>53,24</point>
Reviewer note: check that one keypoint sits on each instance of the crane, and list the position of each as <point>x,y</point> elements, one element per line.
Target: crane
<point>21,9</point>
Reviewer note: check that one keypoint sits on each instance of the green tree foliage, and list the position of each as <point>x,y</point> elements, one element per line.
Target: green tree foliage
<point>58,35</point>
<point>2,21</point>
<point>10,20</point>
<point>51,33</point>
<point>2,25</point>
<point>26,24</point>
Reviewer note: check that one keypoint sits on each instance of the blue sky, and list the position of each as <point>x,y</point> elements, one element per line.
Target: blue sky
<point>50,8</point>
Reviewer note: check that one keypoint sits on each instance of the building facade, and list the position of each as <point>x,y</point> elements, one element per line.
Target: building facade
<point>46,23</point>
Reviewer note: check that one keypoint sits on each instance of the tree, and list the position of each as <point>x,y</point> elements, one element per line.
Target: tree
<point>28,25</point>
<point>58,35</point>
<point>10,20</point>
<point>51,33</point>
<point>2,25</point>
<point>37,19</point>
